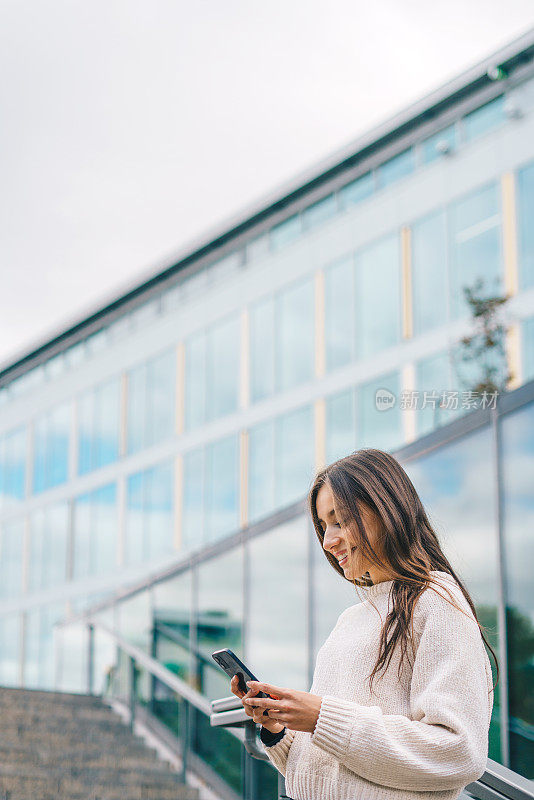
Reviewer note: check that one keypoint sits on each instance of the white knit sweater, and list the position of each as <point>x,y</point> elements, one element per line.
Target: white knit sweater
<point>423,737</point>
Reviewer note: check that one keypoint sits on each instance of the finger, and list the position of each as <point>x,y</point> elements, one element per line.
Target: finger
<point>268,688</point>
<point>263,702</point>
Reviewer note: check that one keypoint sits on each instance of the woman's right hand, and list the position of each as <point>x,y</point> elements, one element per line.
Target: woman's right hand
<point>255,713</point>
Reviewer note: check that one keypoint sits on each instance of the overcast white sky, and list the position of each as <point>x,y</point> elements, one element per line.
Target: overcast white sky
<point>129,127</point>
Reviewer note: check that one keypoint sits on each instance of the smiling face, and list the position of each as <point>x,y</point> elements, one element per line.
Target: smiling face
<point>338,539</point>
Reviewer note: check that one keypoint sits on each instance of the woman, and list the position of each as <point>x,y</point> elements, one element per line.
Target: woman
<point>420,728</point>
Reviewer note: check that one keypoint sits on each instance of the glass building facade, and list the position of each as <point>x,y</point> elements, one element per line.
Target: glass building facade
<point>189,417</point>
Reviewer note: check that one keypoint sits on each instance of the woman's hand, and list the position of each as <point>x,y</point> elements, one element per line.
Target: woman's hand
<point>255,713</point>
<point>295,709</point>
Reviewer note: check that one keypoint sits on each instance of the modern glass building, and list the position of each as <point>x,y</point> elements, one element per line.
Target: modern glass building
<point>155,454</point>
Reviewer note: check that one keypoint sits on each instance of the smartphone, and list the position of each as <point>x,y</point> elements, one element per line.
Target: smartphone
<point>232,665</point>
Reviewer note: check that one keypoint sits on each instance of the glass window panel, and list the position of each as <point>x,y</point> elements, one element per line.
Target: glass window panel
<point>319,212</point>
<point>285,232</point>
<point>429,147</point>
<point>357,190</point>
<point>378,414</point>
<point>137,408</point>
<point>135,504</point>
<point>83,528</point>
<point>106,435</point>
<point>527,348</point>
<point>220,616</point>
<point>339,313</point>
<point>377,316</point>
<point>261,470</point>
<point>525,214</point>
<point>340,425</point>
<point>11,558</point>
<point>39,646</point>
<point>295,335</point>
<point>86,424</point>
<point>271,630</point>
<point>58,445</point>
<point>258,248</point>
<point>396,168</point>
<point>134,617</point>
<point>262,349</point>
<point>294,455</point>
<point>161,386</point>
<point>173,608</point>
<point>475,245</point>
<point>13,469</point>
<point>49,530</point>
<point>429,272</point>
<point>103,552</point>
<point>484,119</point>
<point>518,522</point>
<point>10,635</point>
<point>223,345</point>
<point>431,379</point>
<point>193,500</point>
<point>222,484</point>
<point>159,517</point>
<point>456,484</point>
<point>195,380</point>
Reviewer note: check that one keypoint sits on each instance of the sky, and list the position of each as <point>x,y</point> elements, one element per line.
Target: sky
<point>129,128</point>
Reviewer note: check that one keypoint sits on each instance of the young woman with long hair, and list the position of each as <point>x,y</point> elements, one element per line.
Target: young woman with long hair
<point>402,694</point>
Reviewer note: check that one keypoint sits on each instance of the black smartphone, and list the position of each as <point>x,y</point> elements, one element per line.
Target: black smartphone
<point>232,665</point>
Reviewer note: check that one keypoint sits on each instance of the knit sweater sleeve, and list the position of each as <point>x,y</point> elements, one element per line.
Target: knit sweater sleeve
<point>279,752</point>
<point>443,744</point>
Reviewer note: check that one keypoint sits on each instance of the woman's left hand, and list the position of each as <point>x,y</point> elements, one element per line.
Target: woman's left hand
<point>297,710</point>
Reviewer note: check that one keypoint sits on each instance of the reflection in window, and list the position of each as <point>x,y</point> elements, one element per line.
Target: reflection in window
<point>212,372</point>
<point>429,272</point>
<point>51,448</point>
<point>271,630</point>
<point>340,425</point>
<point>49,531</point>
<point>285,232</point>
<point>149,520</point>
<point>475,226</point>
<point>429,147</point>
<point>211,492</point>
<point>39,646</point>
<point>431,380</point>
<point>12,468</point>
<point>262,338</point>
<point>292,443</point>
<point>95,526</point>
<point>456,484</point>
<point>525,213</point>
<point>340,338</point>
<point>527,348</point>
<point>396,168</point>
<point>151,401</point>
<point>134,620</point>
<point>10,629</point>
<point>98,426</point>
<point>11,558</point>
<point>357,190</point>
<point>484,119</point>
<point>377,313</point>
<point>518,522</point>
<point>220,616</point>
<point>172,608</point>
<point>378,414</point>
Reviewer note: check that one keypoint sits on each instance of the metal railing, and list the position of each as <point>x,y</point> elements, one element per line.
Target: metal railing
<point>497,782</point>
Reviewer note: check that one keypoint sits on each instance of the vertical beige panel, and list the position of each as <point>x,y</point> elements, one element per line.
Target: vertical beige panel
<point>406,257</point>
<point>513,355</point>
<point>178,500</point>
<point>244,371</point>
<point>408,414</point>
<point>180,387</point>
<point>320,433</point>
<point>243,478</point>
<point>123,427</point>
<point>509,233</point>
<point>320,355</point>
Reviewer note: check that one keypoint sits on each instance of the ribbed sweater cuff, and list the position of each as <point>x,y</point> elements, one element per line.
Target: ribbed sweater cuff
<point>334,725</point>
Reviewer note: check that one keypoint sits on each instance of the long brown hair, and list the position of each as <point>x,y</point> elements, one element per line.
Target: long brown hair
<point>409,546</point>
